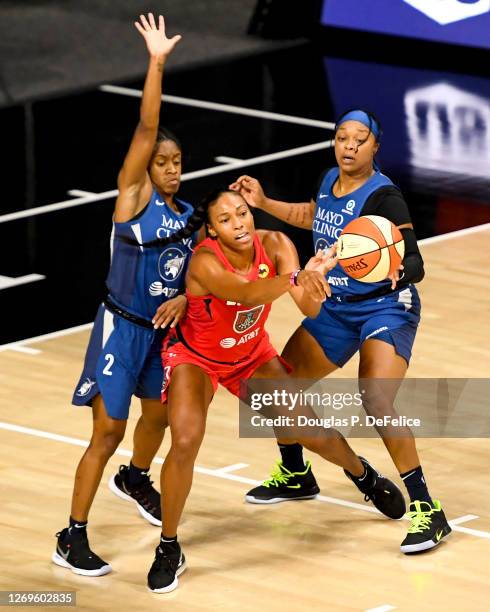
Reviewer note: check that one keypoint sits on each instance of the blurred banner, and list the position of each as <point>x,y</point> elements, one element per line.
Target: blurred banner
<point>435,124</point>
<point>460,22</point>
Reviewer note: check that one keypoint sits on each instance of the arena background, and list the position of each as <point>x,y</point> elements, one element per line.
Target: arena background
<point>63,133</point>
<point>253,87</point>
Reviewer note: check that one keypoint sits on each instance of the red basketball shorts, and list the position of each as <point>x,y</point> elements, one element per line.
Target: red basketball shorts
<point>230,375</point>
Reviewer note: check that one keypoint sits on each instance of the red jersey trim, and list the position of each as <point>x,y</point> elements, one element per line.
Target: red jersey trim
<point>213,245</point>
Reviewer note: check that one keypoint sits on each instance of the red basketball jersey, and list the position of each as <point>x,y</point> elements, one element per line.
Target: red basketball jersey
<point>226,331</point>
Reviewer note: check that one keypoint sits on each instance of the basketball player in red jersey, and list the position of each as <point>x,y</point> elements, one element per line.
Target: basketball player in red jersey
<point>233,277</point>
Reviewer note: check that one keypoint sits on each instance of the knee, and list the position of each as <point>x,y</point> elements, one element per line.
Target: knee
<point>377,405</point>
<point>185,447</point>
<point>105,443</point>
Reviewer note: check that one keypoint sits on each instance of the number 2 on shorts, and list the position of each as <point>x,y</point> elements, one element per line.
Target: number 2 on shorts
<point>110,360</point>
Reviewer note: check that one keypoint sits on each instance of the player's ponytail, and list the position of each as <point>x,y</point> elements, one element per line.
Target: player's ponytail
<point>194,223</point>
<point>198,217</point>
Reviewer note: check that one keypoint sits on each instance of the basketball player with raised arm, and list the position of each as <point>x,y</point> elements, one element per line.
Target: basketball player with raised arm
<point>145,289</point>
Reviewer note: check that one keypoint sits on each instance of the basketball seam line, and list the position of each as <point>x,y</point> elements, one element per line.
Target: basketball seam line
<point>369,252</point>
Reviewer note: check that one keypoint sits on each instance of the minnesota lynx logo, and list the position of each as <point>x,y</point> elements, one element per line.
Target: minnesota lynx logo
<point>245,319</point>
<point>85,387</point>
<point>449,11</point>
<point>171,263</point>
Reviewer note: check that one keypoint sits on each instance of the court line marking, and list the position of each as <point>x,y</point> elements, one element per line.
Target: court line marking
<point>226,108</point>
<point>56,334</point>
<point>81,193</point>
<point>188,176</point>
<point>26,349</point>
<point>463,519</point>
<point>40,210</point>
<point>260,159</point>
<point>217,473</point>
<point>385,608</point>
<point>455,234</point>
<point>232,468</point>
<point>6,282</point>
<point>225,159</point>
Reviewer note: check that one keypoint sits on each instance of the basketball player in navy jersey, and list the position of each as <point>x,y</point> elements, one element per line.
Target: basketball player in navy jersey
<point>377,319</point>
<point>144,299</point>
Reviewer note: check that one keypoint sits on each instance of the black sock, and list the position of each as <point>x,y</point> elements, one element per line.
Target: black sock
<point>77,527</point>
<point>417,488</point>
<point>136,475</point>
<point>292,457</point>
<point>172,542</point>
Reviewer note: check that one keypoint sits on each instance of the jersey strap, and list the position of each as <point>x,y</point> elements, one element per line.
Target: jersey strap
<point>213,245</point>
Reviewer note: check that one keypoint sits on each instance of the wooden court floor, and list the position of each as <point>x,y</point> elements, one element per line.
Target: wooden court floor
<point>314,555</point>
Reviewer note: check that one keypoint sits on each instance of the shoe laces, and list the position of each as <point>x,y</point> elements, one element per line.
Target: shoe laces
<point>143,493</point>
<point>370,494</point>
<point>277,477</point>
<point>420,520</point>
<point>163,560</point>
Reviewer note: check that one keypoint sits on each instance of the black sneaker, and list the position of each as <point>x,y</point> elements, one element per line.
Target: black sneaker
<point>146,498</point>
<point>429,526</point>
<point>284,485</point>
<point>74,553</point>
<point>384,493</point>
<point>169,563</point>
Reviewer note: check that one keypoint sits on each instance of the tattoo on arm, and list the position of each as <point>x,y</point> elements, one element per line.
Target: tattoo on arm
<point>297,213</point>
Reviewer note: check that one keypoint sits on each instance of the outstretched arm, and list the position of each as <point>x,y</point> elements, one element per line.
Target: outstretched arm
<point>207,275</point>
<point>298,214</point>
<point>280,247</point>
<point>134,182</point>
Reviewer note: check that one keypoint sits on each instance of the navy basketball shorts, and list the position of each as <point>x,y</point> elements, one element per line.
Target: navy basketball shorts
<point>341,327</point>
<point>123,359</point>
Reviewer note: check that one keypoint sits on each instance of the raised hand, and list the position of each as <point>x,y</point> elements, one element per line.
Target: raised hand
<point>251,191</point>
<point>323,261</point>
<point>157,43</point>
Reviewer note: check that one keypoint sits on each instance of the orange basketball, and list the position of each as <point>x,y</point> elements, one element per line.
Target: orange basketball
<point>370,248</point>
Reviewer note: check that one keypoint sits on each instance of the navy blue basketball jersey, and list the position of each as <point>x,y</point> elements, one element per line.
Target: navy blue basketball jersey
<point>332,214</point>
<point>141,279</point>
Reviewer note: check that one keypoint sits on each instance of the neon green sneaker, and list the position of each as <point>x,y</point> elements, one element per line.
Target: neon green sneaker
<point>284,485</point>
<point>429,526</point>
